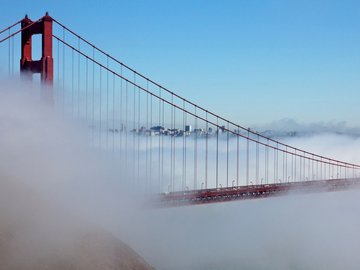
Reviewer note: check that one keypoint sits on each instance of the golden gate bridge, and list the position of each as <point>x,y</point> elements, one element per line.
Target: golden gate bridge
<point>171,146</point>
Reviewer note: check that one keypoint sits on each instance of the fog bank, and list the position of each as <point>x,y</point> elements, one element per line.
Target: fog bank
<point>49,180</point>
<point>54,189</point>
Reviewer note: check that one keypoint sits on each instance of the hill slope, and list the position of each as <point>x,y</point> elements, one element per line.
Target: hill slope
<point>34,235</point>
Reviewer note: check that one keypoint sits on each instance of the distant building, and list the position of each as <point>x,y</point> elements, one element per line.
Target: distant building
<point>157,129</point>
<point>188,128</point>
<point>198,131</point>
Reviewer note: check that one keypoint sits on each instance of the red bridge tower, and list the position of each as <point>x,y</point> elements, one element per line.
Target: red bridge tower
<point>45,65</point>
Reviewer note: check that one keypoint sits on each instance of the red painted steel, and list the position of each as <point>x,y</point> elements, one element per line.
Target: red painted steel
<point>44,66</point>
<point>17,32</point>
<point>216,195</point>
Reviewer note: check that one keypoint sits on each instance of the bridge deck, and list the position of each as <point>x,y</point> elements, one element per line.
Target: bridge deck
<point>191,197</point>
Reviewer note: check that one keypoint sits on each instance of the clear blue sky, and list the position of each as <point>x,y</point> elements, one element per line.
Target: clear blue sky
<point>252,61</point>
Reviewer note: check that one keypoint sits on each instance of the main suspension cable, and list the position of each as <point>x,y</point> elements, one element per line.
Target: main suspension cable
<point>318,158</point>
<point>22,29</point>
<point>330,160</point>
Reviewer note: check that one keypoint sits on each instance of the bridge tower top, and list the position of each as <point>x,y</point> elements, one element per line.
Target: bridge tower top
<point>44,66</point>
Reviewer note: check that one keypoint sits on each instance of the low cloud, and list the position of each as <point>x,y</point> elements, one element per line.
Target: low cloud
<point>289,127</point>
<point>46,164</point>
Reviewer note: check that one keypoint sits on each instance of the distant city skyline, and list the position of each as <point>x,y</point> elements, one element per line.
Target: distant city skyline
<point>252,62</point>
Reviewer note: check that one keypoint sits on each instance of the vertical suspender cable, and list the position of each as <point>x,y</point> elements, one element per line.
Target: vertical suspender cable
<point>266,163</point>
<point>138,137</point>
<point>121,110</point>
<point>58,70</point>
<point>9,67</point>
<point>151,140</point>
<point>107,103</point>
<point>86,90</point>
<point>337,171</point>
<point>321,168</point>
<point>312,168</point>
<point>12,54</point>
<point>341,173</point>
<point>126,126</point>
<point>286,165</point>
<point>274,165</point>
<point>206,150</point>
<point>237,155</point>
<point>162,142</point>
<point>171,134</point>
<point>147,137</point>
<point>9,54</point>
<point>159,148</point>
<point>174,151</point>
<point>304,173</point>
<point>113,114</point>
<point>79,78</point>
<point>185,146</point>
<point>277,162</point>
<point>217,152</point>
<point>227,155</point>
<point>247,158</point>
<point>257,161</point>
<point>300,167</point>
<point>317,170</point>
<point>72,82</point>
<point>195,149</point>
<point>295,170</point>
<point>63,72</point>
<point>283,167</point>
<point>100,107</point>
<point>134,131</point>
<point>93,100</point>
<point>292,167</point>
<point>309,169</point>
